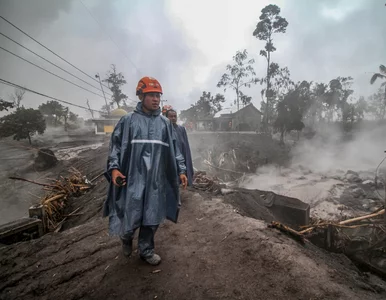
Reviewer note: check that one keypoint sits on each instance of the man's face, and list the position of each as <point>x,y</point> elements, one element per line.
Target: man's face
<point>172,115</point>
<point>151,101</point>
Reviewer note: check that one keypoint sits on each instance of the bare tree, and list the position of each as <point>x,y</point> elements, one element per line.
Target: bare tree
<point>17,96</point>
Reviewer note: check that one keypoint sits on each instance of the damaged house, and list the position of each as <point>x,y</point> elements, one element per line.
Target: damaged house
<point>246,119</point>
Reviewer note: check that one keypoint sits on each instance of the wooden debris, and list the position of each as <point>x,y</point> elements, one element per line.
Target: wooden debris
<point>291,232</point>
<point>58,192</point>
<point>381,212</point>
<point>322,224</point>
<point>204,182</point>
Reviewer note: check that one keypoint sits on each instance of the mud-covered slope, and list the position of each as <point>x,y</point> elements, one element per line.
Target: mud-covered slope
<point>213,253</point>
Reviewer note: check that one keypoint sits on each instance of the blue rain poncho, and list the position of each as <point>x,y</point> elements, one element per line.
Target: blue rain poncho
<point>143,148</point>
<point>183,145</point>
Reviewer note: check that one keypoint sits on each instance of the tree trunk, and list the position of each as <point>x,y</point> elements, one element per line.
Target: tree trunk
<point>267,92</point>
<point>237,98</point>
<point>29,139</point>
<point>282,137</point>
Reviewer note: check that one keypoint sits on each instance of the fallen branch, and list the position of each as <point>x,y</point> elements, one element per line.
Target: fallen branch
<point>56,197</point>
<point>98,176</point>
<point>381,212</point>
<point>293,233</point>
<point>31,181</point>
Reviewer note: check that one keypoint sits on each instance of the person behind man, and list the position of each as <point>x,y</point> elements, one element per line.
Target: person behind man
<point>144,167</point>
<point>183,144</point>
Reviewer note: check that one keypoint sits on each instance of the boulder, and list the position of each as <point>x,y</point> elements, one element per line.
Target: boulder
<point>45,159</point>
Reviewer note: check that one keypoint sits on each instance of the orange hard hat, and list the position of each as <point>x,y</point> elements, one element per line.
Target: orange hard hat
<point>165,108</point>
<point>148,85</point>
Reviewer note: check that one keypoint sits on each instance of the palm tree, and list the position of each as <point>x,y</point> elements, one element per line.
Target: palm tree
<point>380,75</point>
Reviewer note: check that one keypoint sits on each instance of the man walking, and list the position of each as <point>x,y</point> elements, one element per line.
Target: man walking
<point>144,167</point>
<point>183,144</point>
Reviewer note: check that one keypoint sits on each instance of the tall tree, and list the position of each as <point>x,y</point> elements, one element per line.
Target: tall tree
<point>22,124</point>
<point>270,23</point>
<point>240,74</point>
<point>17,96</point>
<point>5,105</point>
<point>115,82</point>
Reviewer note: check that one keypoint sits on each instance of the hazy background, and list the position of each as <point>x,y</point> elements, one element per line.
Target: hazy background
<point>187,44</point>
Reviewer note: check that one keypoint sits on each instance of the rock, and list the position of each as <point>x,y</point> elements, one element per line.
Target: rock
<point>353,178</point>
<point>368,183</point>
<point>46,159</point>
<point>358,193</point>
<point>226,191</point>
<point>352,172</point>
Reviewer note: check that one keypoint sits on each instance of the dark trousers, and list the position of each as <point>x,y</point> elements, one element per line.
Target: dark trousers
<point>145,240</point>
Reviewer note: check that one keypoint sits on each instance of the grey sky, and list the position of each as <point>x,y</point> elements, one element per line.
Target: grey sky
<point>186,45</point>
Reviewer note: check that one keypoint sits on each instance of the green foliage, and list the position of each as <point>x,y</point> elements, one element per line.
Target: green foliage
<point>207,106</point>
<point>240,74</point>
<point>22,124</point>
<point>115,81</point>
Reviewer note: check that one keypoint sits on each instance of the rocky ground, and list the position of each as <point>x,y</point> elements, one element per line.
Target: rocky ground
<point>214,252</point>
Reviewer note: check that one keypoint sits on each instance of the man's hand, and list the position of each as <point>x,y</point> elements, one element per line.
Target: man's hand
<point>184,180</point>
<point>115,174</point>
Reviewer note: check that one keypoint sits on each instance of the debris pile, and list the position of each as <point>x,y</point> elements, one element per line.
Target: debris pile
<point>203,182</point>
<point>57,193</point>
<point>362,238</point>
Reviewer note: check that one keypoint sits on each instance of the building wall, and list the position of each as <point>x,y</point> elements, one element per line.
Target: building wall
<point>246,119</point>
<point>105,126</point>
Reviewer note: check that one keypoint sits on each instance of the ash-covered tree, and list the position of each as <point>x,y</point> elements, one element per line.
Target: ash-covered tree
<point>53,110</point>
<point>337,97</point>
<point>18,96</point>
<point>239,75</point>
<point>270,23</point>
<point>5,105</point>
<point>106,109</point>
<point>382,76</point>
<point>115,82</point>
<point>377,104</point>
<point>22,124</point>
<point>73,117</point>
<point>354,113</point>
<point>207,106</point>
<point>290,114</point>
<point>281,84</point>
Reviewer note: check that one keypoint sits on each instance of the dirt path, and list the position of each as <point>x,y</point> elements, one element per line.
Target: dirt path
<point>213,253</point>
